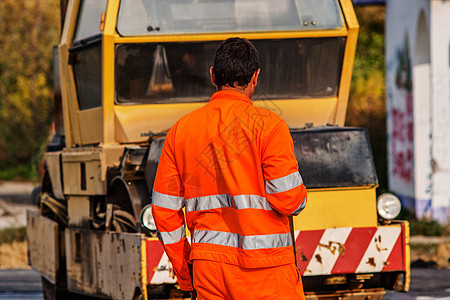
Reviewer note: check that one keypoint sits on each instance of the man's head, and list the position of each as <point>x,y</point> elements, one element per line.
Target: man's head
<point>236,64</point>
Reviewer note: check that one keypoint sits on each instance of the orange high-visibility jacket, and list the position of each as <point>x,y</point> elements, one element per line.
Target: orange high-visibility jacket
<point>232,167</point>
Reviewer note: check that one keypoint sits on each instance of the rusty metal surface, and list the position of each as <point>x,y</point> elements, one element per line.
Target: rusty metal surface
<point>374,294</point>
<point>350,250</point>
<point>85,171</point>
<point>105,264</point>
<point>78,208</point>
<point>52,160</point>
<point>42,238</point>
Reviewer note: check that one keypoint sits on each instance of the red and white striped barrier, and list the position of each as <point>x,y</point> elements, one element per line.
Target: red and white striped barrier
<point>350,250</point>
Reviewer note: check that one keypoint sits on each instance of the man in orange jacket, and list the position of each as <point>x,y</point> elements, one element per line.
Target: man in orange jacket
<point>231,166</point>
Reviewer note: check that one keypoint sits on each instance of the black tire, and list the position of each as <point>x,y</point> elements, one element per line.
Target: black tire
<point>51,292</point>
<point>36,196</point>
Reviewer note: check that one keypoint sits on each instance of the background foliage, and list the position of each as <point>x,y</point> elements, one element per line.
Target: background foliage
<point>9,235</point>
<point>367,101</point>
<point>29,29</point>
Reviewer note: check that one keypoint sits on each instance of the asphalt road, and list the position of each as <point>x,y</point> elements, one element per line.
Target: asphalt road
<point>426,284</point>
<point>20,284</point>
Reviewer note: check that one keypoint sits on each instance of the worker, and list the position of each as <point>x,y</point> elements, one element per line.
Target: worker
<point>231,166</point>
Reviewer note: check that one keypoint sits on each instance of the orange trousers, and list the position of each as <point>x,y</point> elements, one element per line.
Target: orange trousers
<point>216,280</point>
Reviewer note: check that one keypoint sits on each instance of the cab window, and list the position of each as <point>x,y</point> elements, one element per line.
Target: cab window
<point>153,17</point>
<point>85,53</point>
<point>89,19</point>
<point>179,72</point>
<point>87,70</point>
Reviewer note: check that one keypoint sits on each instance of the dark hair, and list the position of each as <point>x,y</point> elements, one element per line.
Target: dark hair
<point>235,62</point>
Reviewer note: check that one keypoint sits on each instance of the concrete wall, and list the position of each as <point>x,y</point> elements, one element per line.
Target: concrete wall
<point>440,102</point>
<point>418,108</point>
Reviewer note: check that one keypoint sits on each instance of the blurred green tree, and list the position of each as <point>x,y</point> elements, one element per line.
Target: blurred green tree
<point>367,101</point>
<point>29,29</point>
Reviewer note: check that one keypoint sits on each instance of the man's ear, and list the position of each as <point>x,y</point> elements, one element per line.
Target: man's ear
<point>255,77</point>
<point>213,78</point>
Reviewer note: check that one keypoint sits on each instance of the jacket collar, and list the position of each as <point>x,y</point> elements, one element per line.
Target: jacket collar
<point>229,95</point>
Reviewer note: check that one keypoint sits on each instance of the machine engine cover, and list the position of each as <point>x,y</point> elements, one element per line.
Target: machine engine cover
<point>331,157</point>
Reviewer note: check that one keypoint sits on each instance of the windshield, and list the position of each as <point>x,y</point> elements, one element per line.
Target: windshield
<point>150,17</point>
<point>179,72</point>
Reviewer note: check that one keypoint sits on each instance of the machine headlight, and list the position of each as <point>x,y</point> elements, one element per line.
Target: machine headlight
<point>388,206</point>
<point>147,218</point>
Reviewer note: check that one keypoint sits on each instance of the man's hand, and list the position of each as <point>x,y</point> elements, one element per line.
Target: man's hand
<point>193,295</point>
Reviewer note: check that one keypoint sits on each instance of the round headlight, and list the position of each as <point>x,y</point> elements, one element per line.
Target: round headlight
<point>388,206</point>
<point>147,218</point>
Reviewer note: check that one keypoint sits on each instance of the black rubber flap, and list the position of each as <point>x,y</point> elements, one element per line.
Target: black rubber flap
<point>334,157</point>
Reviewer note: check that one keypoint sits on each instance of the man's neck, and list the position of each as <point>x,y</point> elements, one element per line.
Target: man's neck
<point>243,90</point>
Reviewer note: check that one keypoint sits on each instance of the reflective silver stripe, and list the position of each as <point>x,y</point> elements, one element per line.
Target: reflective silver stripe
<point>300,208</point>
<point>266,241</point>
<point>224,200</point>
<point>167,201</point>
<point>215,237</point>
<point>208,202</point>
<point>249,242</point>
<point>284,183</point>
<point>251,201</point>
<point>173,237</point>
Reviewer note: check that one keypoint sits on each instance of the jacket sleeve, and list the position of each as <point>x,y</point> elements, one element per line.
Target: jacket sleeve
<point>167,208</point>
<point>284,186</point>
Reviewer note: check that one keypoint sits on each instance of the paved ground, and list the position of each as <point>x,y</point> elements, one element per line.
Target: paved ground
<point>20,284</point>
<point>425,284</point>
<point>20,281</point>
<point>16,191</point>
<point>14,201</point>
